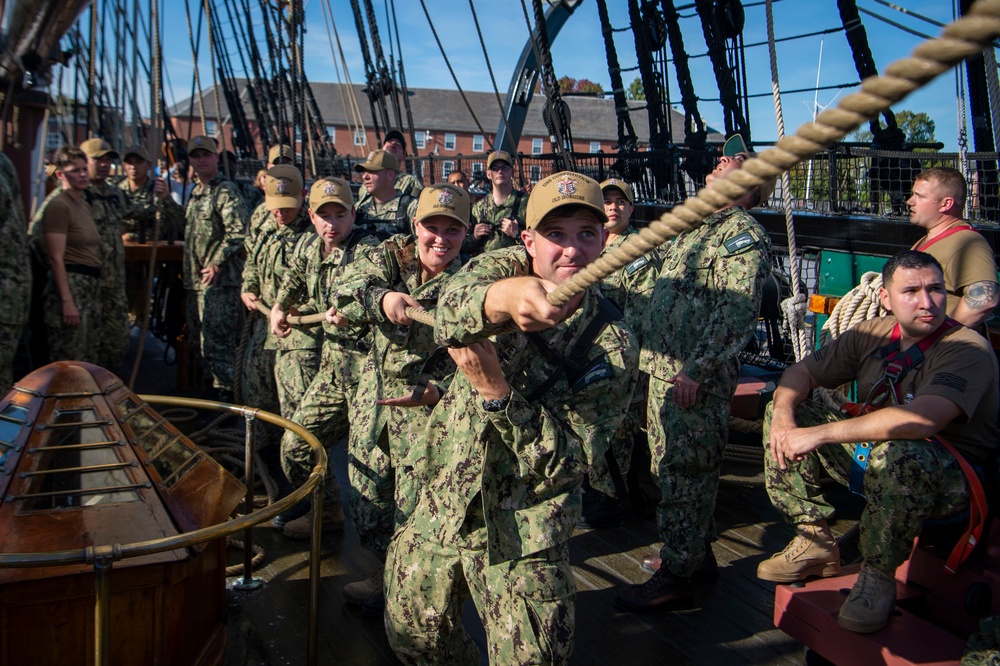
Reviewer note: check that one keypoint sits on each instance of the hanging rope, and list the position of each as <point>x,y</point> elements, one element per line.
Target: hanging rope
<point>215,89</point>
<point>627,140</point>
<point>557,121</point>
<point>450,69</point>
<point>794,309</point>
<point>154,150</point>
<point>194,62</point>
<point>963,130</point>
<point>493,79</point>
<point>352,111</point>
<point>961,39</point>
<point>92,74</point>
<point>402,81</point>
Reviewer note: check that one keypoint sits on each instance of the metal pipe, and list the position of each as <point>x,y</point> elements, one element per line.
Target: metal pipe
<point>249,582</point>
<point>314,557</point>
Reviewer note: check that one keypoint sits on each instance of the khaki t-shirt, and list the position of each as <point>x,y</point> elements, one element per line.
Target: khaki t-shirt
<point>960,366</point>
<point>966,258</point>
<point>65,215</point>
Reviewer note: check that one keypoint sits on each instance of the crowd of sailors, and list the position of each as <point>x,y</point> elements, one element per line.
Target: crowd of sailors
<point>478,443</point>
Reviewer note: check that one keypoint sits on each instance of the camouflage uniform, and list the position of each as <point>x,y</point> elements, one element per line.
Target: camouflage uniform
<point>388,219</point>
<point>109,205</point>
<point>485,211</point>
<point>259,216</point>
<point>905,481</point>
<point>699,316</point>
<point>216,226</point>
<point>323,409</point>
<point>15,270</point>
<point>267,383</point>
<point>383,487</point>
<point>501,491</point>
<point>404,184</point>
<point>629,289</point>
<point>141,212</point>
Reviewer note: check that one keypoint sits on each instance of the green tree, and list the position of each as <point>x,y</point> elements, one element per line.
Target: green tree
<point>635,90</point>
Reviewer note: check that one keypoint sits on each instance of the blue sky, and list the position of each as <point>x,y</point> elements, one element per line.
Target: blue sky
<point>579,51</point>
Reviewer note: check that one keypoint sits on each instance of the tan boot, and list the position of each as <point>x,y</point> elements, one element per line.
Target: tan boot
<point>813,552</point>
<point>301,528</point>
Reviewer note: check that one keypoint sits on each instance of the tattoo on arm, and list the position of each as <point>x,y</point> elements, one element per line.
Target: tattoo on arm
<point>981,295</point>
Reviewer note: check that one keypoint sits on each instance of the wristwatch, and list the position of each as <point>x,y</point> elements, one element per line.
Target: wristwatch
<point>497,405</point>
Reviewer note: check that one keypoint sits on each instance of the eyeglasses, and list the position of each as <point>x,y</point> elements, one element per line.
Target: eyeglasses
<point>501,167</point>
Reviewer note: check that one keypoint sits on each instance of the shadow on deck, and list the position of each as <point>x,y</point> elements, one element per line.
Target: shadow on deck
<point>731,622</point>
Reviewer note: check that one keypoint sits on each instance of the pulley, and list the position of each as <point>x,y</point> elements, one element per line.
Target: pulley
<point>730,18</point>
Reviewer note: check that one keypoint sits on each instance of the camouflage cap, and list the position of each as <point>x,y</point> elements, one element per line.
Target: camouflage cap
<point>621,185</point>
<point>202,142</point>
<point>138,151</point>
<point>377,161</point>
<point>444,199</point>
<point>565,188</point>
<point>283,187</point>
<point>330,190</point>
<point>98,148</point>
<point>280,152</point>
<point>501,155</point>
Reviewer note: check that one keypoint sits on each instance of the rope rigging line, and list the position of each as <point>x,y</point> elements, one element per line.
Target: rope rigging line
<point>450,69</point>
<point>735,119</point>
<point>695,132</point>
<point>493,80</point>
<point>961,39</point>
<point>402,81</point>
<point>215,88</point>
<point>352,112</point>
<point>557,123</point>
<point>372,89</point>
<point>627,140</point>
<point>894,24</point>
<point>386,84</point>
<point>795,310</point>
<point>196,85</point>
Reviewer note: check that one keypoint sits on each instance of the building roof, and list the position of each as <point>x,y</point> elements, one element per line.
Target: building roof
<point>434,110</point>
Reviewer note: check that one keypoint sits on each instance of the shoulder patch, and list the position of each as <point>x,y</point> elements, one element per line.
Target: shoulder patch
<point>739,243</point>
<point>596,372</point>
<point>636,265</point>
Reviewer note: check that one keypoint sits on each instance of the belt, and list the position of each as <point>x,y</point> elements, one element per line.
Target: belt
<point>82,269</point>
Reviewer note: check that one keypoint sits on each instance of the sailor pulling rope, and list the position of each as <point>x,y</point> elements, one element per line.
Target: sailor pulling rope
<point>959,40</point>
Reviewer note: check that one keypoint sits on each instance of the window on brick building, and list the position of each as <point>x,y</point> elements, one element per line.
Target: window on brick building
<point>359,137</point>
<point>535,173</point>
<point>595,146</point>
<point>447,166</point>
<point>449,141</point>
<point>536,146</point>
<point>477,143</point>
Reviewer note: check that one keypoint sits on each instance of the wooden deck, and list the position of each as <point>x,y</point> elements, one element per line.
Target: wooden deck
<point>731,622</point>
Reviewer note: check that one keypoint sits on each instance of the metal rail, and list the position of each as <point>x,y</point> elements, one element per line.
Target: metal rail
<point>102,557</point>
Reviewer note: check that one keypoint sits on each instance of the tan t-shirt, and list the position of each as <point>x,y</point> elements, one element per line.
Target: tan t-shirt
<point>960,366</point>
<point>966,258</point>
<point>65,215</point>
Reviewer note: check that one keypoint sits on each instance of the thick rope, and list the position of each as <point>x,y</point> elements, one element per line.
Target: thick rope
<point>859,304</point>
<point>416,314</point>
<point>215,89</point>
<point>158,215</point>
<point>258,556</point>
<point>794,308</point>
<point>964,38</point>
<point>194,62</point>
<point>961,39</point>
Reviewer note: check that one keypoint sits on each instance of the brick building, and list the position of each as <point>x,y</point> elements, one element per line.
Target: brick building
<point>443,126</point>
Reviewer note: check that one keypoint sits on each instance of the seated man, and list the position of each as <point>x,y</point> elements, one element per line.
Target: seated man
<point>950,390</point>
